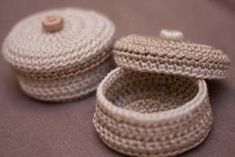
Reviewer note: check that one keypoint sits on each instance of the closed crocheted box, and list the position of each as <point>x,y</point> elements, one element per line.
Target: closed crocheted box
<point>60,54</point>
<point>156,102</point>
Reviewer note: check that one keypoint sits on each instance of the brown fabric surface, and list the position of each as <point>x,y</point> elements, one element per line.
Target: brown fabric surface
<point>32,128</point>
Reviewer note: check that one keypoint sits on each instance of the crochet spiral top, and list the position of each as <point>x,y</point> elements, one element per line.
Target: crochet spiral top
<point>169,54</point>
<point>60,54</point>
<point>82,41</point>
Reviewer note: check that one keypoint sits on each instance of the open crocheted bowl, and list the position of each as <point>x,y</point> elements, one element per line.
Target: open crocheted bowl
<point>149,114</point>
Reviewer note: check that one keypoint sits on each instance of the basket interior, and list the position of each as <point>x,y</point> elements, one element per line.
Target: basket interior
<point>149,92</point>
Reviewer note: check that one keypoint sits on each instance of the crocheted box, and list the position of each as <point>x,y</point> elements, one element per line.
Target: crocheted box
<point>144,114</point>
<point>155,103</point>
<point>60,54</point>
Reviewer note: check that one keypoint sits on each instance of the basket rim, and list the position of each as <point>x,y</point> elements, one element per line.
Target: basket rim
<point>129,115</point>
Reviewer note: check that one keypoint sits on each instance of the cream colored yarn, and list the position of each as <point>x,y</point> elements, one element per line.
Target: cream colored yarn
<point>156,103</point>
<point>72,60</point>
<point>68,88</point>
<point>149,114</point>
<point>170,56</point>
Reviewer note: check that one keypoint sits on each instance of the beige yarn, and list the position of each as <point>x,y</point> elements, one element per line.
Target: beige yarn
<point>66,88</point>
<point>170,57</point>
<point>51,64</point>
<point>149,114</point>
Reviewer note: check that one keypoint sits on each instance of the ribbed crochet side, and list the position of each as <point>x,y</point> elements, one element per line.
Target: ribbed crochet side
<point>68,88</point>
<point>170,57</point>
<point>146,114</point>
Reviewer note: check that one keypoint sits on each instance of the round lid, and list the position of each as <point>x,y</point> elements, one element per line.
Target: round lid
<point>54,39</point>
<point>170,55</point>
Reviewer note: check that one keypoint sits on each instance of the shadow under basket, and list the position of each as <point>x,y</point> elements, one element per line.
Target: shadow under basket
<point>149,114</point>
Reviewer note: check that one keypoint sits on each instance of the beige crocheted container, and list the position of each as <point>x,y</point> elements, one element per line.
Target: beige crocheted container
<point>60,54</point>
<point>147,114</point>
<point>156,104</point>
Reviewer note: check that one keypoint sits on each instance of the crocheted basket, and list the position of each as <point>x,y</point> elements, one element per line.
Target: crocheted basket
<point>60,54</point>
<point>156,102</point>
<point>149,114</point>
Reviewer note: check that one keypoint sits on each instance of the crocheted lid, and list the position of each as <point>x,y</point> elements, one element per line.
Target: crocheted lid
<point>54,39</point>
<point>169,54</point>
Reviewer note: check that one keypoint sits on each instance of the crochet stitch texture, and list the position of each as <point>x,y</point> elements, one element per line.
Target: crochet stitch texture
<point>149,114</point>
<point>156,103</point>
<point>60,65</point>
<point>171,57</point>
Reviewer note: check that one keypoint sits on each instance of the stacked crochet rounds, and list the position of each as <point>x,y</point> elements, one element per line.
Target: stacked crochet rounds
<point>156,102</point>
<point>60,54</point>
<point>144,114</point>
<point>163,55</point>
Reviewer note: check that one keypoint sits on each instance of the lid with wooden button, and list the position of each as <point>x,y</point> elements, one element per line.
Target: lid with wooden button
<point>60,54</point>
<point>169,54</point>
<point>54,39</point>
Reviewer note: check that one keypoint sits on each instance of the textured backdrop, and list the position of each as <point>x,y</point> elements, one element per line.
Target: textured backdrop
<point>32,128</point>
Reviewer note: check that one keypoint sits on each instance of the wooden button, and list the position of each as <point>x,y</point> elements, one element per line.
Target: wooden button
<point>52,23</point>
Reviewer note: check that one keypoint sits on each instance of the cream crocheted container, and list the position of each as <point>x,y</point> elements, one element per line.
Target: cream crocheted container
<point>147,114</point>
<point>156,103</point>
<point>60,54</point>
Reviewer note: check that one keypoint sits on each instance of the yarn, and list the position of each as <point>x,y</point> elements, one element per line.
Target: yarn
<point>161,55</point>
<point>155,104</point>
<point>149,114</point>
<point>76,47</point>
